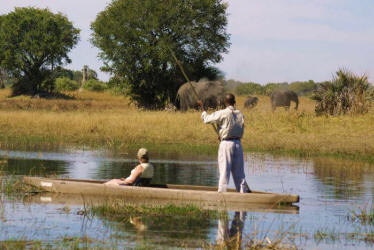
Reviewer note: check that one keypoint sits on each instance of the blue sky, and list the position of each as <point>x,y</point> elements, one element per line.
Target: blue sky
<point>272,40</point>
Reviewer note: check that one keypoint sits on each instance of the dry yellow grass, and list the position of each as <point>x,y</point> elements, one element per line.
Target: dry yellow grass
<point>110,122</point>
<point>83,101</point>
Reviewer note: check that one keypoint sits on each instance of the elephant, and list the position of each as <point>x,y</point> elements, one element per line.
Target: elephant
<point>250,102</point>
<point>210,92</point>
<point>283,99</point>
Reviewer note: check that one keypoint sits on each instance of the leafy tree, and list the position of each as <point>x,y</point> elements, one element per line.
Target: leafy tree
<point>94,85</point>
<point>271,87</point>
<point>136,39</point>
<point>66,84</point>
<point>250,88</point>
<point>2,78</point>
<point>32,43</point>
<point>75,75</point>
<point>61,72</point>
<point>303,88</point>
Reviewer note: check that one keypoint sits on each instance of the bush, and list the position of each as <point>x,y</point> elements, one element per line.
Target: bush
<point>303,88</point>
<point>65,84</point>
<point>94,85</point>
<point>347,92</point>
<point>250,88</point>
<point>269,88</point>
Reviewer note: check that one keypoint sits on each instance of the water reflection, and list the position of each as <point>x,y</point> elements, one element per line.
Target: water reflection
<point>34,167</point>
<point>329,189</point>
<point>165,172</point>
<point>95,165</point>
<point>233,235</point>
<point>168,231</point>
<point>331,178</point>
<point>343,179</point>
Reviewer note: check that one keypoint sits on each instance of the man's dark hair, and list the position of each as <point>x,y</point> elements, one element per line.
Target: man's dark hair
<point>230,99</point>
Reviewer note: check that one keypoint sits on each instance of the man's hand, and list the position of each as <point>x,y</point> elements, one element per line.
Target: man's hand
<point>200,102</point>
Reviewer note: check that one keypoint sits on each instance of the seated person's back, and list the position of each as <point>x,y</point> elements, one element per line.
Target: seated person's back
<point>141,175</point>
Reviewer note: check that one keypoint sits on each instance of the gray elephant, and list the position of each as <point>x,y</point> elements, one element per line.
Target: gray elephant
<point>250,102</point>
<point>210,92</point>
<point>283,99</point>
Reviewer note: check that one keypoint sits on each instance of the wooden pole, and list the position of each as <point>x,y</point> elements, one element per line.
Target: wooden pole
<point>188,80</point>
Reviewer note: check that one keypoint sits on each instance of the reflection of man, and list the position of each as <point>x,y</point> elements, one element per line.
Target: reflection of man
<point>224,235</point>
<point>230,125</point>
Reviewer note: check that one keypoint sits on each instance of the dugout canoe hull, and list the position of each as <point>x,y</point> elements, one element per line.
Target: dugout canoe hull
<point>71,200</point>
<point>195,194</point>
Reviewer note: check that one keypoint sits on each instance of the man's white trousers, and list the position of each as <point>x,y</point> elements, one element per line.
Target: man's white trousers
<point>231,160</point>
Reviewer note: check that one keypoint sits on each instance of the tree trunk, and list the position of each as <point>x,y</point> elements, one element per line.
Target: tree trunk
<point>2,77</point>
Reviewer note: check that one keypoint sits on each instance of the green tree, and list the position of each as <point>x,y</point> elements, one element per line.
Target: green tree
<point>271,87</point>
<point>75,75</point>
<point>66,84</point>
<point>250,88</point>
<point>2,78</point>
<point>303,88</point>
<point>135,39</point>
<point>32,43</point>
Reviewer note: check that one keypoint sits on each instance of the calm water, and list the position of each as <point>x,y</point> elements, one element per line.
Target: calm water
<point>329,189</point>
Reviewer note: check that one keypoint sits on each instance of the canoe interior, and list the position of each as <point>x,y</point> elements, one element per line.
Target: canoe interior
<point>170,186</point>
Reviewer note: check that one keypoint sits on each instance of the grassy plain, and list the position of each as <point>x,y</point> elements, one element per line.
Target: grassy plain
<point>102,120</point>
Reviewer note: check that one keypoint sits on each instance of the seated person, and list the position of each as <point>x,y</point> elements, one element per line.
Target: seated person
<point>141,175</point>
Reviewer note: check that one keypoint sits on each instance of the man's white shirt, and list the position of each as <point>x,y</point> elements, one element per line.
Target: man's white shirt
<point>230,122</point>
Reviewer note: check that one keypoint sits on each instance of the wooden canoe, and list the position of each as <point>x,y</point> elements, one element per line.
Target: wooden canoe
<point>194,194</point>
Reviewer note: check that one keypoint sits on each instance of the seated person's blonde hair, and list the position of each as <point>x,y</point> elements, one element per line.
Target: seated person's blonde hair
<point>143,155</point>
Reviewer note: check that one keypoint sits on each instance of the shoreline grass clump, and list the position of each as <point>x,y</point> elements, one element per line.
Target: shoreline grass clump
<point>182,222</point>
<point>119,209</point>
<point>363,215</point>
<point>61,243</point>
<point>346,93</point>
<point>13,186</point>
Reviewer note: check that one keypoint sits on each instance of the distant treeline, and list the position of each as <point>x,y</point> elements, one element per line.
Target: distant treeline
<point>305,88</point>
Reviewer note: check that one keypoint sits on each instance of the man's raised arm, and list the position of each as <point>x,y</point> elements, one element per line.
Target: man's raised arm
<point>212,118</point>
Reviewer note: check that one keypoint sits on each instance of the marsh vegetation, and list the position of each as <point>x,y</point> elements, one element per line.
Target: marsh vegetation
<point>103,120</point>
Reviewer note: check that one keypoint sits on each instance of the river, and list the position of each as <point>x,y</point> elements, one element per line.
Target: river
<point>330,190</point>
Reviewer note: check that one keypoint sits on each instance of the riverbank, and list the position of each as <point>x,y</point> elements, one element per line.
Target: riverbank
<point>106,121</point>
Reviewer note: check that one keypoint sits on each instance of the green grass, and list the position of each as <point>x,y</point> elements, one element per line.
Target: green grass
<point>120,209</point>
<point>363,215</point>
<point>66,242</point>
<point>12,185</point>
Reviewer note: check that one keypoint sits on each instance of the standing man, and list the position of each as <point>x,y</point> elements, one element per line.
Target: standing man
<point>230,126</point>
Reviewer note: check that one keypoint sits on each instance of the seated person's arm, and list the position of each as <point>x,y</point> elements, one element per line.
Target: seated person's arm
<point>131,179</point>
